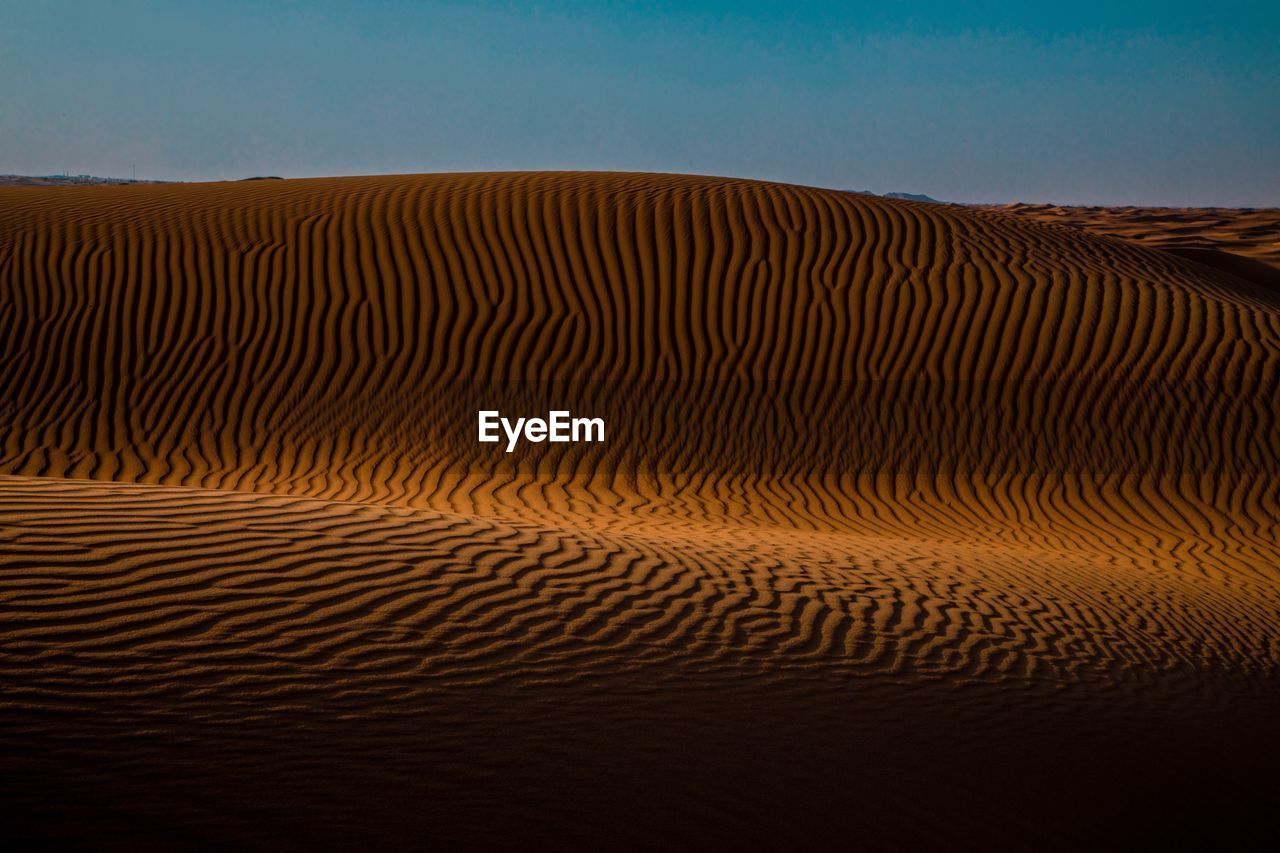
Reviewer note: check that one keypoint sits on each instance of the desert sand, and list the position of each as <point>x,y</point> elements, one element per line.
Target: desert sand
<point>915,524</point>
<point>1241,242</point>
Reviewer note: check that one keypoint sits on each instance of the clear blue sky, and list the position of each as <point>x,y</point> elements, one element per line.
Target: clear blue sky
<point>1085,102</point>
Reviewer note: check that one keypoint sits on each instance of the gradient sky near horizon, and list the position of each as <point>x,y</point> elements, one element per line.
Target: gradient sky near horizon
<point>1166,103</point>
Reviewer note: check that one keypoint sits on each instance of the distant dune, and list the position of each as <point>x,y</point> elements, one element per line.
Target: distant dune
<point>915,524</point>
<point>1245,243</point>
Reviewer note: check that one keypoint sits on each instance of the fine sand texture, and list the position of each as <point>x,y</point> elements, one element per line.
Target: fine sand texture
<point>1245,243</point>
<point>914,525</point>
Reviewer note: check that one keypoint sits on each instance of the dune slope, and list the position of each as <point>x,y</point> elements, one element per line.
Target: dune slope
<point>1244,243</point>
<point>934,525</point>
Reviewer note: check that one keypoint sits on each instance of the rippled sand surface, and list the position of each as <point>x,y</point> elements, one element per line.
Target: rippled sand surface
<point>914,524</point>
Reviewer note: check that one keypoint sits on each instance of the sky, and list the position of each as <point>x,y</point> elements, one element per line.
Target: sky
<point>1084,102</point>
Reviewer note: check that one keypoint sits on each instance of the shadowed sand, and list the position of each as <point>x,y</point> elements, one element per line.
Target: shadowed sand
<point>913,524</point>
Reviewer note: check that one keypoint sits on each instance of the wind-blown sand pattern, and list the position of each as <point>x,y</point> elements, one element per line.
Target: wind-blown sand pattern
<point>1245,243</point>
<point>914,524</point>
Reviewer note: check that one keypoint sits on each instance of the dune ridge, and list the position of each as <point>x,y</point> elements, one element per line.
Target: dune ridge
<point>331,318</point>
<point>872,466</point>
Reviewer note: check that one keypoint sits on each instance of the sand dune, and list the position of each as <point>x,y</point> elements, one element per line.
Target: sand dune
<point>1245,243</point>
<point>934,525</point>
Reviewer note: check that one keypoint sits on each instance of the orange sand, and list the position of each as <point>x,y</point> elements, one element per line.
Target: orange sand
<point>915,524</point>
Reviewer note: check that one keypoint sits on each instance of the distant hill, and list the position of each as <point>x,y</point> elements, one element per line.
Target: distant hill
<point>66,181</point>
<point>914,197</point>
<point>903,196</point>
